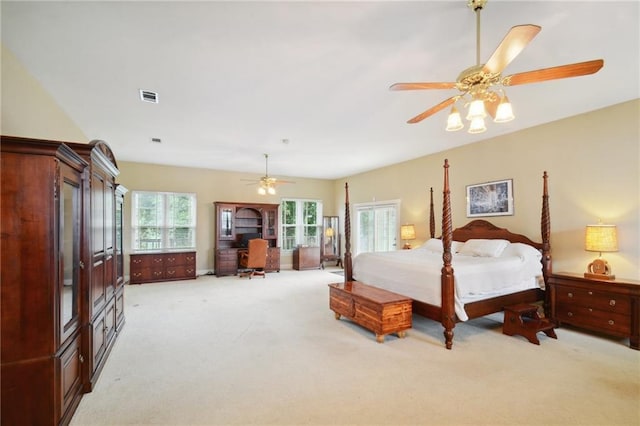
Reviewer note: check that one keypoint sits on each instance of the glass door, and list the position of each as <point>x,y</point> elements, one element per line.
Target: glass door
<point>70,208</point>
<point>376,227</point>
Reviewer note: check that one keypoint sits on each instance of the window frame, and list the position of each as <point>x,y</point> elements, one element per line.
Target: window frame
<point>165,224</point>
<point>299,226</point>
<point>392,230</point>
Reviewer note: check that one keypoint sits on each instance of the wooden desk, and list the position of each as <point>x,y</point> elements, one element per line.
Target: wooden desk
<point>375,309</point>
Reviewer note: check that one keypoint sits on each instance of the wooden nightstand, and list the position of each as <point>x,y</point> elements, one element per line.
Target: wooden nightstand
<point>610,307</point>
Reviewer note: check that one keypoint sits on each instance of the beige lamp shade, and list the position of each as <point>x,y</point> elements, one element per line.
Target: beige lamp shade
<point>601,238</point>
<point>408,232</point>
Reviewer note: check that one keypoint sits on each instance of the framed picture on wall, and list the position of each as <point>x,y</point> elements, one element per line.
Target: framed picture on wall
<point>490,199</point>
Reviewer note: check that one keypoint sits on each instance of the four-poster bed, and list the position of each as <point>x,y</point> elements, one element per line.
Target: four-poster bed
<point>451,306</point>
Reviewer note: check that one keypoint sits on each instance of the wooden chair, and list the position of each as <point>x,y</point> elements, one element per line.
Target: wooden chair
<point>254,260</point>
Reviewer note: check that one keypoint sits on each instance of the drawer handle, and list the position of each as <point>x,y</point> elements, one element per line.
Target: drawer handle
<point>590,293</point>
<point>570,294</point>
<point>569,314</point>
<point>612,302</point>
<point>81,358</point>
<point>171,272</point>
<point>611,322</point>
<point>157,260</point>
<point>590,309</point>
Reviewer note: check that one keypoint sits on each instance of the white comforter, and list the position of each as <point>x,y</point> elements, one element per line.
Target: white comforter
<point>416,274</point>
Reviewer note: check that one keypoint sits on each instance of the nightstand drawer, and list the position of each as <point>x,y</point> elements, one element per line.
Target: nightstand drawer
<point>593,299</point>
<point>608,322</point>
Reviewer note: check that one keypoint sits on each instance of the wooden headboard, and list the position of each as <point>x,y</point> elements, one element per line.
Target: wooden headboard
<point>487,230</point>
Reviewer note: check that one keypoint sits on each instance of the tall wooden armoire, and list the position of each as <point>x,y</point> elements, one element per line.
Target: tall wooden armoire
<point>52,218</point>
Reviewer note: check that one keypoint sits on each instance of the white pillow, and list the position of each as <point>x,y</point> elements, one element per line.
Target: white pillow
<point>524,251</point>
<point>483,248</point>
<point>434,245</point>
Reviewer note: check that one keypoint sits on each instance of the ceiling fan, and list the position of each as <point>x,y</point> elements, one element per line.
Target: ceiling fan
<point>267,184</point>
<point>482,85</point>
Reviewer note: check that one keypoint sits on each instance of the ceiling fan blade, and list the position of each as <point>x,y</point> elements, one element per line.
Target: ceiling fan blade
<point>511,45</point>
<point>554,73</point>
<point>418,118</point>
<point>421,86</point>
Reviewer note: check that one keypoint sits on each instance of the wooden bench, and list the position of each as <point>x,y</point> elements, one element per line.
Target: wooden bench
<point>523,319</point>
<point>375,309</point>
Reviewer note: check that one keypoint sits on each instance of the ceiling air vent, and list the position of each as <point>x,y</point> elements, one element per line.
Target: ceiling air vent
<point>156,140</point>
<point>148,96</point>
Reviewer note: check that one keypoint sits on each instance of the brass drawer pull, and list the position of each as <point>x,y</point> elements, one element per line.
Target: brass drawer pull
<point>590,293</point>
<point>612,302</point>
<point>611,322</point>
<point>570,294</point>
<point>569,314</point>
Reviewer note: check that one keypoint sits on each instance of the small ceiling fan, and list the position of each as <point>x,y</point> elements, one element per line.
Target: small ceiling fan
<point>267,184</point>
<point>482,85</point>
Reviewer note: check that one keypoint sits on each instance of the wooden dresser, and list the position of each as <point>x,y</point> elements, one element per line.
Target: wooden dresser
<point>162,266</point>
<point>306,258</point>
<point>610,307</point>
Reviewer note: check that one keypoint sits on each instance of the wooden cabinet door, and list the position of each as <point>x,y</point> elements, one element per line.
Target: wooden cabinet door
<point>225,227</point>
<point>273,260</point>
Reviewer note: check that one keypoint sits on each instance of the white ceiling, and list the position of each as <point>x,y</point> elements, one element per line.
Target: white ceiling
<point>235,79</point>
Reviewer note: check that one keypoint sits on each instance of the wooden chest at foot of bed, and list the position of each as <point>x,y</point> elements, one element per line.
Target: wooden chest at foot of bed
<point>375,309</point>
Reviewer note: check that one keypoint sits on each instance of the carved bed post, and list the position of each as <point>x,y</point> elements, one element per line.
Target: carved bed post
<point>545,230</point>
<point>348,271</point>
<point>432,218</point>
<point>448,312</point>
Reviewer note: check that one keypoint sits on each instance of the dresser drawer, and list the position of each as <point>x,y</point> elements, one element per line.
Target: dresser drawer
<point>608,322</point>
<point>593,299</point>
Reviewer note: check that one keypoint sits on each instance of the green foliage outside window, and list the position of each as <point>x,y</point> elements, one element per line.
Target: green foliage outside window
<point>163,220</point>
<point>301,221</point>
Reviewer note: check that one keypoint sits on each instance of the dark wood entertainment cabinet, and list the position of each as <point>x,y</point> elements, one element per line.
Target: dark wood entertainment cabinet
<point>62,293</point>
<point>233,220</point>
<point>162,266</point>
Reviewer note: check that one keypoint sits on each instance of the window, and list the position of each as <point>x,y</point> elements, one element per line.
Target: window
<point>301,223</point>
<point>163,220</point>
<point>376,226</point>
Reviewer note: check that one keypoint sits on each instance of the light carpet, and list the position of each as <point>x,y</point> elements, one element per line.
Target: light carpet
<point>231,351</point>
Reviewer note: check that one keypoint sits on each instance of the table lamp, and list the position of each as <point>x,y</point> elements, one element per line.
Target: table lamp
<point>407,232</point>
<point>600,238</point>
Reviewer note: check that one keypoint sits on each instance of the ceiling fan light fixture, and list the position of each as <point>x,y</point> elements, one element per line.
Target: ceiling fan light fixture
<point>271,190</point>
<point>504,113</point>
<point>477,125</point>
<point>454,121</point>
<point>262,191</point>
<point>476,110</point>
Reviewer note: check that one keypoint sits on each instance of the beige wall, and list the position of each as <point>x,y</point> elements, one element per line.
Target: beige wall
<point>592,160</point>
<point>593,165</point>
<point>28,110</point>
<point>210,186</point>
